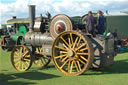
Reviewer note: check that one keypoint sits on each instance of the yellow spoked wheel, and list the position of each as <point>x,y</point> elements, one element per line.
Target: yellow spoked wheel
<point>72,53</point>
<point>21,58</point>
<point>40,59</point>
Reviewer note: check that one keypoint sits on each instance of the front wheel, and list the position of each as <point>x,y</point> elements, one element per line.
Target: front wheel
<point>4,44</point>
<point>21,58</point>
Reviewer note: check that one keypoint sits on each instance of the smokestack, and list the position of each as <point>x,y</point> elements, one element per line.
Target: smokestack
<point>14,17</point>
<point>31,17</point>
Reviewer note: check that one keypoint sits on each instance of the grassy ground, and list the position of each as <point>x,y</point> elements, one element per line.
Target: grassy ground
<point>114,75</point>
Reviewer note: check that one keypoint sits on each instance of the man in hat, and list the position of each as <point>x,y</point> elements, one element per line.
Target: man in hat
<point>90,22</point>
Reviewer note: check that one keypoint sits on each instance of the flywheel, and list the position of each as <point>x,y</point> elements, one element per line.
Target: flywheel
<point>58,24</point>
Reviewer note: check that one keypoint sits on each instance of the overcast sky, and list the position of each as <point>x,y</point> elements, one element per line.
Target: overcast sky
<point>19,8</point>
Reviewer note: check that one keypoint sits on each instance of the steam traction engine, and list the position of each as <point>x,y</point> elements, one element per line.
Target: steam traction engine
<point>13,33</point>
<point>73,50</point>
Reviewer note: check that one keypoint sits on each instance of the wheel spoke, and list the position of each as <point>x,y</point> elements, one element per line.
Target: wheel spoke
<point>64,41</point>
<point>24,49</point>
<point>26,59</point>
<point>69,64</point>
<point>84,49</point>
<point>69,42</point>
<point>60,48</point>
<point>60,56</point>
<point>75,42</point>
<point>82,62</point>
<point>84,58</point>
<point>79,65</point>
<point>82,53</point>
<point>25,53</point>
<point>21,50</point>
<point>17,63</point>
<point>42,61</point>
<point>71,67</point>
<point>17,54</point>
<point>24,65</point>
<point>63,52</point>
<point>16,59</point>
<point>71,38</point>
<point>80,46</point>
<point>65,46</point>
<point>46,57</point>
<point>64,58</point>
<point>76,66</point>
<point>64,63</point>
<point>78,42</point>
<point>27,63</point>
<point>18,51</point>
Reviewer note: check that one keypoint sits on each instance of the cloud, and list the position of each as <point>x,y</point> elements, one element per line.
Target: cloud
<point>19,8</point>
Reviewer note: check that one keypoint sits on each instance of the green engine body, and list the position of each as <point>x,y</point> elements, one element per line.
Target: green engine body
<point>21,32</point>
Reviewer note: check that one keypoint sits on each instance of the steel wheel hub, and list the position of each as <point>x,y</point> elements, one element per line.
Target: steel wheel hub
<point>71,53</point>
<point>59,28</point>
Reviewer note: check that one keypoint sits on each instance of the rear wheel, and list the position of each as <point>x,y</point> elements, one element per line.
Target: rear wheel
<point>72,53</point>
<point>40,59</point>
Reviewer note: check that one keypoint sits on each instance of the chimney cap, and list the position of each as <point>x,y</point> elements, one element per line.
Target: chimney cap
<point>31,5</point>
<point>14,17</point>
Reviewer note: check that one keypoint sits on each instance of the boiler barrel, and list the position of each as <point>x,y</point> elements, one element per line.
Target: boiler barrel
<point>38,39</point>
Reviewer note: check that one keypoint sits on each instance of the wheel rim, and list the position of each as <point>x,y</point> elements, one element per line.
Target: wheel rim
<point>21,58</point>
<point>20,40</point>
<point>71,53</point>
<point>41,60</point>
<point>4,44</point>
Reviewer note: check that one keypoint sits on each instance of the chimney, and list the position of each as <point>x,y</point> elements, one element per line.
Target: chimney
<point>31,17</point>
<point>14,17</point>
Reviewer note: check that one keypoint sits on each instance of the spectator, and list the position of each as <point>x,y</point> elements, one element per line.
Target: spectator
<point>90,22</point>
<point>100,23</point>
<point>115,39</point>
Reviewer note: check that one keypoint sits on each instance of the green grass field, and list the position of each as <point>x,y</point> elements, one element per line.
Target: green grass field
<point>117,74</point>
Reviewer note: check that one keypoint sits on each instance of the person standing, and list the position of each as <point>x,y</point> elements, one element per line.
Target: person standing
<point>90,22</point>
<point>100,23</point>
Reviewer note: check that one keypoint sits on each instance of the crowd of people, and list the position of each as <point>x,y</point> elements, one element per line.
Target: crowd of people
<point>93,25</point>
